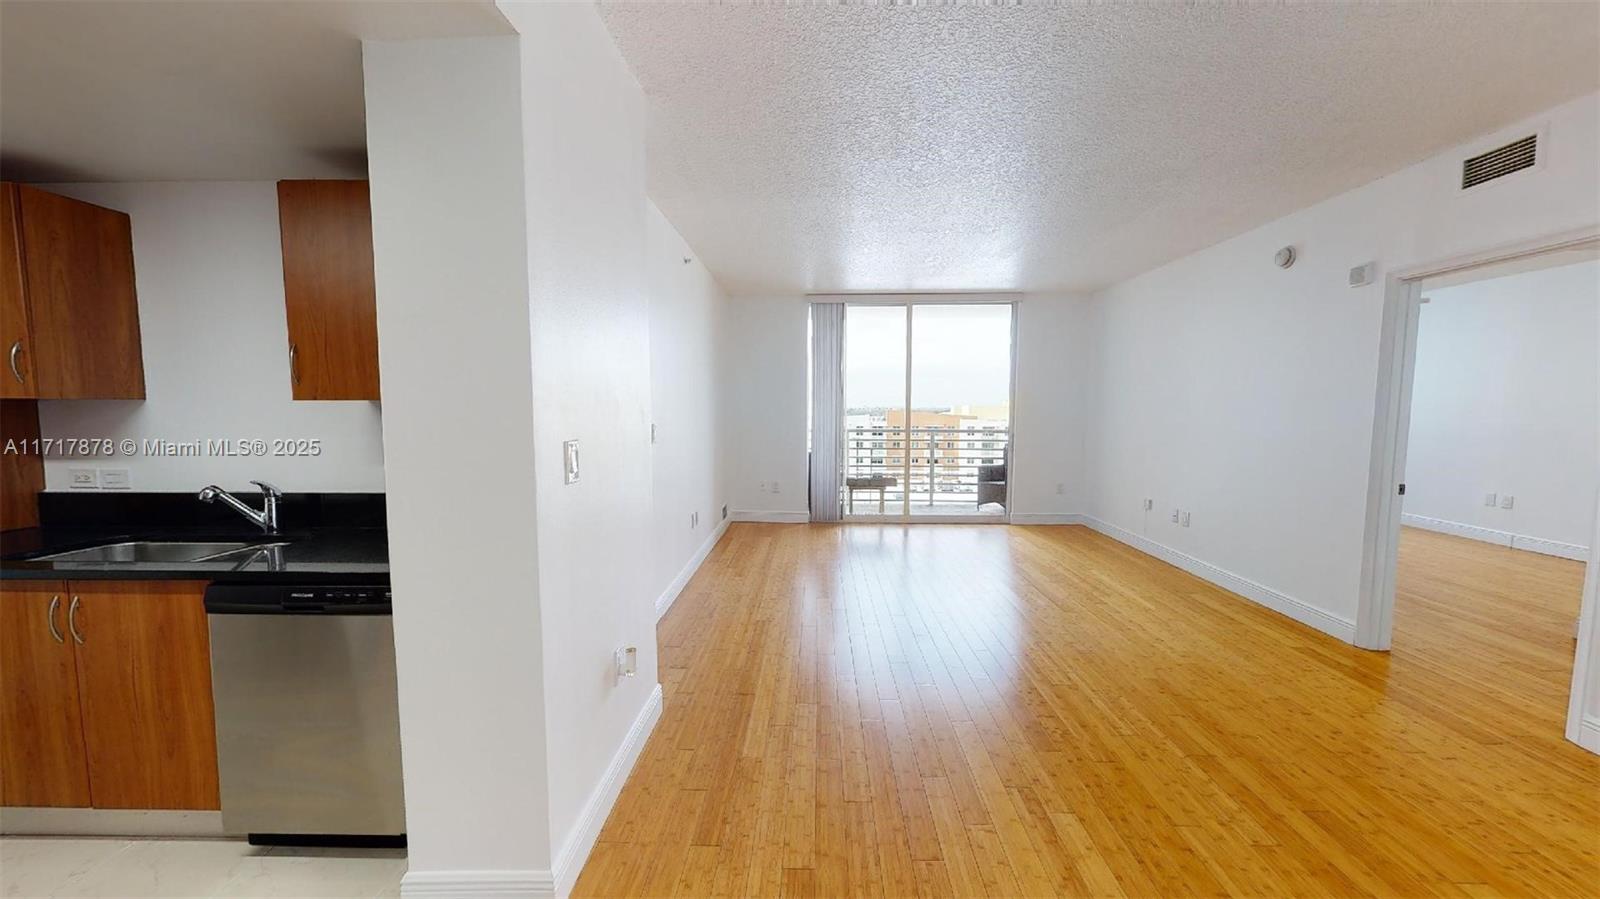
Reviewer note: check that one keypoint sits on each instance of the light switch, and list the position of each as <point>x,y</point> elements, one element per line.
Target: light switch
<point>569,455</point>
<point>114,479</point>
<point>1507,501</point>
<point>83,478</point>
<point>1491,500</point>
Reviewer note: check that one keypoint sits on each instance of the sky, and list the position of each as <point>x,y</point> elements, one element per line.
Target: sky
<point>962,355</point>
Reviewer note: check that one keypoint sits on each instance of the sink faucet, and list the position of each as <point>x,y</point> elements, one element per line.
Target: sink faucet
<point>266,519</point>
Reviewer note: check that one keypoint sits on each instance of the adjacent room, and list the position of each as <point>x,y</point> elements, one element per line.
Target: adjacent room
<point>481,448</point>
<point>1500,467</point>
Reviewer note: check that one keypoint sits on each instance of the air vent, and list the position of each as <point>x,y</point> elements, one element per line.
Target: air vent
<point>1500,162</point>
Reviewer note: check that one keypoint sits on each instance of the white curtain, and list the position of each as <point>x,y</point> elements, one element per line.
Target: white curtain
<point>827,408</point>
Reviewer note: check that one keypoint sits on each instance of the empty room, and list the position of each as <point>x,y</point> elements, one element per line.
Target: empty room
<point>458,448</point>
<point>1500,467</point>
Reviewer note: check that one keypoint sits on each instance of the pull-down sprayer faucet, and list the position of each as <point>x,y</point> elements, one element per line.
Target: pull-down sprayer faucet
<point>266,519</point>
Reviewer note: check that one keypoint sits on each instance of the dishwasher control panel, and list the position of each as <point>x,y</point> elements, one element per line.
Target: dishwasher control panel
<point>276,599</point>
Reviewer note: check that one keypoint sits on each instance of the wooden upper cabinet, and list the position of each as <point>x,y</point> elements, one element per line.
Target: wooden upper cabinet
<point>16,339</point>
<point>69,315</point>
<point>328,289</point>
<point>42,757</point>
<point>144,672</point>
<point>21,472</point>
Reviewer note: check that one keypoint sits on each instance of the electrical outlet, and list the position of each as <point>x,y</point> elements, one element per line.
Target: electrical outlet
<point>1186,519</point>
<point>652,432</point>
<point>83,478</point>
<point>1061,488</point>
<point>114,479</point>
<point>1489,499</point>
<point>1149,504</point>
<point>775,488</point>
<point>1508,501</point>
<point>724,511</point>
<point>1174,516</point>
<point>763,487</point>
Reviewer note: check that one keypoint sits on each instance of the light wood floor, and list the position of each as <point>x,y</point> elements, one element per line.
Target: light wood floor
<point>1006,711</point>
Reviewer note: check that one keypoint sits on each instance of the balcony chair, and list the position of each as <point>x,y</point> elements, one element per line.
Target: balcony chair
<point>992,481</point>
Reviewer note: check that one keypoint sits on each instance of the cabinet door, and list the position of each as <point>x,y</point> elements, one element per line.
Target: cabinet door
<point>328,289</point>
<point>21,472</point>
<point>144,671</point>
<point>78,263</point>
<point>42,759</point>
<point>16,375</point>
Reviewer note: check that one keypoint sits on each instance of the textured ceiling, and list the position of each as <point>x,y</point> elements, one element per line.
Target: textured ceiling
<point>817,148</point>
<point>156,90</point>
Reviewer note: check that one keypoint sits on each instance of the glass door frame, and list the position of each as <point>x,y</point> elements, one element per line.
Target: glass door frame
<point>909,301</point>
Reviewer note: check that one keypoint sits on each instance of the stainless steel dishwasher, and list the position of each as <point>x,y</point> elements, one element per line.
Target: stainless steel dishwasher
<point>308,723</point>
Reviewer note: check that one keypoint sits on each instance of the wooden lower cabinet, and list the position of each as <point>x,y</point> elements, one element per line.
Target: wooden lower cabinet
<point>42,759</point>
<point>142,672</point>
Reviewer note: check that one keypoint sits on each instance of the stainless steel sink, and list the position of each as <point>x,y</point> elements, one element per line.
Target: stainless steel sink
<point>151,551</point>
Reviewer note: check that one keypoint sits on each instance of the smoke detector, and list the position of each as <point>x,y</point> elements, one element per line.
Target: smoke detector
<point>1284,257</point>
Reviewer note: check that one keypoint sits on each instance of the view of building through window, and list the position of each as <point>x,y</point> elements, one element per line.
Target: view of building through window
<point>948,454</point>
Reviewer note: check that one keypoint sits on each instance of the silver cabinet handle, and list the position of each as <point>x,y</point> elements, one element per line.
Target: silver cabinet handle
<point>16,349</point>
<point>50,618</point>
<point>294,364</point>
<point>72,621</point>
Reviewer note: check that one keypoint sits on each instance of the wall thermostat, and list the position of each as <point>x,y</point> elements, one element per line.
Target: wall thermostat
<point>1284,257</point>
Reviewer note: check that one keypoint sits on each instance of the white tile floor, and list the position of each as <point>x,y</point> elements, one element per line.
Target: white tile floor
<point>130,868</point>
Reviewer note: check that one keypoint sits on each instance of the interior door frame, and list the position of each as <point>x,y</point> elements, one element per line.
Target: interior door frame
<point>909,300</point>
<point>1397,354</point>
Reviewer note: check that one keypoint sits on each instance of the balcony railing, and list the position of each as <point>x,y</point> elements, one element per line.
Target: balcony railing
<point>946,466</point>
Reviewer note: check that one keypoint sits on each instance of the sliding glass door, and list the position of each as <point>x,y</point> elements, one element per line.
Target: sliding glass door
<point>927,410</point>
<point>875,410</point>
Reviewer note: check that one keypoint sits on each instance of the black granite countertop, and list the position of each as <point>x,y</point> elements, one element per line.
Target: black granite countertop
<point>338,540</point>
<point>325,555</point>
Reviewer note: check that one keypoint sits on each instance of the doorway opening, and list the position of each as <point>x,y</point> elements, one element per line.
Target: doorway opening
<point>1501,473</point>
<point>1490,387</point>
<point>926,416</point>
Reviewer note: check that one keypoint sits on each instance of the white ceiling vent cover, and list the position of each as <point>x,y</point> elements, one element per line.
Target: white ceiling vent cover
<point>1501,161</point>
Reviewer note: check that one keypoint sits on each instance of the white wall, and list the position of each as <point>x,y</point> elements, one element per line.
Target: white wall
<point>209,272</point>
<point>1053,355</point>
<point>583,121</point>
<point>764,347</point>
<point>764,351</point>
<point>686,317</point>
<point>1245,393</point>
<point>445,150</point>
<point>1504,402</point>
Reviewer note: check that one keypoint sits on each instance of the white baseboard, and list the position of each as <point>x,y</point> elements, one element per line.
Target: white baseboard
<point>1047,518</point>
<point>477,885</point>
<point>106,822</point>
<point>670,595</point>
<point>800,517</point>
<point>1572,551</point>
<point>1283,604</point>
<point>1589,733</point>
<point>569,861</point>
<point>563,875</point>
<point>1551,547</point>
